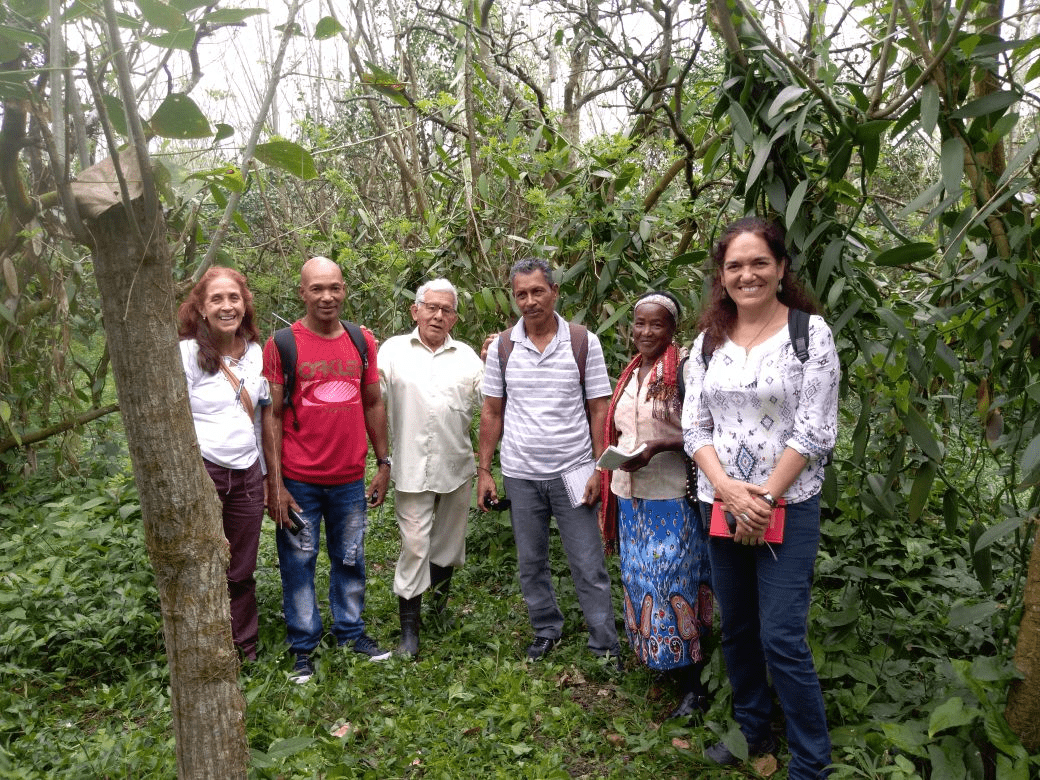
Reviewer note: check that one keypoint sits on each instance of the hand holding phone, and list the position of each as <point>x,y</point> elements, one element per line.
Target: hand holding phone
<point>496,505</point>
<point>295,521</point>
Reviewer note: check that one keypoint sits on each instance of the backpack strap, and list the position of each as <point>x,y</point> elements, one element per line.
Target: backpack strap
<point>798,330</point>
<point>285,341</point>
<point>580,350</point>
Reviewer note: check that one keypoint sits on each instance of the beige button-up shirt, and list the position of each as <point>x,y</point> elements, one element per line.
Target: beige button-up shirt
<point>430,398</point>
<point>665,475</point>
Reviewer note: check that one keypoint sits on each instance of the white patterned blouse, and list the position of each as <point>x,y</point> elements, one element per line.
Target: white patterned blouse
<point>750,407</point>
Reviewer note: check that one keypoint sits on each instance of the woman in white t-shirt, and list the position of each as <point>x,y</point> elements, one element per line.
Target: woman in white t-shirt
<point>223,363</point>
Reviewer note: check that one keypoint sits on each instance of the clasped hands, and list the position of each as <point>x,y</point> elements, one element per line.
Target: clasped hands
<point>752,512</point>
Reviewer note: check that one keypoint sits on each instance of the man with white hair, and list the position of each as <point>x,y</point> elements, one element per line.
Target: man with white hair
<point>431,384</point>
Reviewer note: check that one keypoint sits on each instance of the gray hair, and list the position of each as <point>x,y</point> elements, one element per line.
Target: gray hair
<point>437,285</point>
<point>530,265</point>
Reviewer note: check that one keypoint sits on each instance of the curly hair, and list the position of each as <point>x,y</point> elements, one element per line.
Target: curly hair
<point>718,319</point>
<point>191,325</point>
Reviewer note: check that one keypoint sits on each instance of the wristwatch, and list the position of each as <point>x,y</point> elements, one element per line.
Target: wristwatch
<point>384,461</point>
<point>768,498</point>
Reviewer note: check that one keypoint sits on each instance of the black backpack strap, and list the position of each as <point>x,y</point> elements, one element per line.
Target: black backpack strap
<point>285,341</point>
<point>357,335</point>
<point>505,349</point>
<point>680,378</point>
<point>798,329</point>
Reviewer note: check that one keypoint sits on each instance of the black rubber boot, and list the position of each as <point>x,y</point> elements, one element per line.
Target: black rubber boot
<point>440,584</point>
<point>409,612</point>
<point>694,698</point>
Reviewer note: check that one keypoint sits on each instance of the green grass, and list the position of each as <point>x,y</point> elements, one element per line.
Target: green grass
<point>902,634</point>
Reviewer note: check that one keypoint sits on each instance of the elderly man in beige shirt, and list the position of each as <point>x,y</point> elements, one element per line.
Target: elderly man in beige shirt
<point>431,384</point>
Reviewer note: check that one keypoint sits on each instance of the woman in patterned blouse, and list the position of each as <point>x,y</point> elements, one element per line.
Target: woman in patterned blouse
<point>760,425</point>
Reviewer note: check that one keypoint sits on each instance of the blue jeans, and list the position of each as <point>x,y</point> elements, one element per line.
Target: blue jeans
<point>765,611</point>
<point>534,502</point>
<point>343,508</point>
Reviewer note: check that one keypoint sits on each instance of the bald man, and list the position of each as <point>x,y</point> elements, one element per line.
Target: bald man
<point>315,452</point>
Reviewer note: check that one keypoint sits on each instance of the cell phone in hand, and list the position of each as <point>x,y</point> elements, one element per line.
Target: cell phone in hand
<point>295,522</point>
<point>496,505</point>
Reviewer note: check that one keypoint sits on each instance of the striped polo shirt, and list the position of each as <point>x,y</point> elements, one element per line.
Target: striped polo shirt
<point>545,430</point>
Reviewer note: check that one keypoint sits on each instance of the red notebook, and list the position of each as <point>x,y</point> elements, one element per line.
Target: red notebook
<point>725,524</point>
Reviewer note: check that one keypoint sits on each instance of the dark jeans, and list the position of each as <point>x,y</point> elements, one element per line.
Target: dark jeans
<point>765,609</point>
<point>241,492</point>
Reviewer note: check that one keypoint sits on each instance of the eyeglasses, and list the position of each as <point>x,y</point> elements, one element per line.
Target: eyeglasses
<point>433,308</point>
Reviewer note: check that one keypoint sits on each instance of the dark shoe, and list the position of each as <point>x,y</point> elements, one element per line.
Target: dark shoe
<point>540,647</point>
<point>303,670</point>
<point>691,703</point>
<point>366,645</point>
<point>722,756</point>
<point>408,609</point>
<point>440,584</point>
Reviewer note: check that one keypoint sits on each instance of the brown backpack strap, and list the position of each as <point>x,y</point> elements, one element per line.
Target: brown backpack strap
<point>580,348</point>
<point>240,391</point>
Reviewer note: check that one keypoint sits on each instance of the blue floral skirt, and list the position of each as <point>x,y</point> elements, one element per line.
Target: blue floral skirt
<point>665,572</point>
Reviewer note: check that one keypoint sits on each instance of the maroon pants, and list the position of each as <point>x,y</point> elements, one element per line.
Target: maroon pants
<point>241,492</point>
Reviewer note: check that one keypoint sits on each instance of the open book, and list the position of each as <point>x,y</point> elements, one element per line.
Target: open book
<point>612,457</point>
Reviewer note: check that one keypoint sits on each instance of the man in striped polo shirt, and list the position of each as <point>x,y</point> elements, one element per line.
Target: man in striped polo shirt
<point>548,455</point>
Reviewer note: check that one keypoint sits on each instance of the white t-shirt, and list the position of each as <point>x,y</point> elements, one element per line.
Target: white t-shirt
<point>545,430</point>
<point>226,435</point>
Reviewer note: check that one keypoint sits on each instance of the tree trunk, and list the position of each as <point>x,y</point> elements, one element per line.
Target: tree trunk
<point>181,511</point>
<point>1023,707</point>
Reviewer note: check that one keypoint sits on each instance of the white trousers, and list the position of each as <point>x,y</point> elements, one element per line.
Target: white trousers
<point>433,530</point>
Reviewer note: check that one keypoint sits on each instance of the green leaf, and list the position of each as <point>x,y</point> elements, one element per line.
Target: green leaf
<point>906,254</point>
<point>231,15</point>
<point>116,114</point>
<point>223,131</point>
<point>950,714</point>
<point>999,531</point>
<point>1030,464</point>
<point>327,27</point>
<point>981,558</point>
<point>992,103</point>
<point>788,94</point>
<point>921,489</point>
<point>287,747</point>
<point>179,117</point>
<point>920,431</point>
<point>288,156</point>
<point>794,204</point>
<point>951,510</point>
<point>929,107</point>
<point>161,15</point>
<point>183,39</point>
<point>741,123</point>
<point>952,160</point>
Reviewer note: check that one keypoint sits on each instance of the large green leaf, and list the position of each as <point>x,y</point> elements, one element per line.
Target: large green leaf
<point>231,15</point>
<point>291,157</point>
<point>921,489</point>
<point>179,117</point>
<point>116,114</point>
<point>920,431</point>
<point>929,107</point>
<point>183,39</point>
<point>159,14</point>
<point>1030,464</point>
<point>906,254</point>
<point>952,161</point>
<point>992,103</point>
<point>950,714</point>
<point>327,27</point>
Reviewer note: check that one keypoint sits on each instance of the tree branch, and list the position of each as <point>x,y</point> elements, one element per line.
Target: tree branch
<point>60,427</point>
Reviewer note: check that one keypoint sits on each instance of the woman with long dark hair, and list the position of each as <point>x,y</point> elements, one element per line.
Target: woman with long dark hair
<point>760,423</point>
<point>223,362</point>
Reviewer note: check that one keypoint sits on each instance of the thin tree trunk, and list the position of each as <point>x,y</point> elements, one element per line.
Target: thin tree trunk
<point>180,508</point>
<point>1023,707</point>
